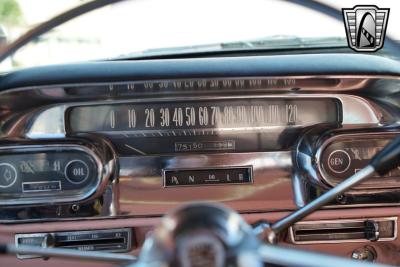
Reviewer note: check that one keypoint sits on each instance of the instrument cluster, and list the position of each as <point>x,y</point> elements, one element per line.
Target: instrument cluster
<point>138,148</point>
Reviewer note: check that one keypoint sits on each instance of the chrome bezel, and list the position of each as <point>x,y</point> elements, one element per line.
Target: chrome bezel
<point>249,167</point>
<point>103,175</point>
<point>353,110</point>
<point>366,113</point>
<point>127,230</point>
<point>394,219</point>
<point>390,182</point>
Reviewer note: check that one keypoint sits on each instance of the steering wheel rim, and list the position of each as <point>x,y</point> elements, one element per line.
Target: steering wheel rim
<point>10,49</point>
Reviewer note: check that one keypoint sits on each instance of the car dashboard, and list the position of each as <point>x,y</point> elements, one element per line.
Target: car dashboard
<point>94,154</point>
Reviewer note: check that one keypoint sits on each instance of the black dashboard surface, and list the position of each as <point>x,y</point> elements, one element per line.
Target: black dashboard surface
<point>287,65</point>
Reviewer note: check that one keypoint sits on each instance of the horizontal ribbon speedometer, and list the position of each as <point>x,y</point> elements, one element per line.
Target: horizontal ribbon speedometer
<point>204,125</point>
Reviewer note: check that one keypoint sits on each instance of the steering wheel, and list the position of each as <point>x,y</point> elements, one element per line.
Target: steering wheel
<point>201,234</point>
<point>211,235</point>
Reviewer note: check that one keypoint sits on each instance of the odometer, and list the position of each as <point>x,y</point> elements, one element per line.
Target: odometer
<point>203,125</point>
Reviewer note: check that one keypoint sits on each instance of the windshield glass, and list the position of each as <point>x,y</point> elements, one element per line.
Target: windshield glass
<point>134,26</point>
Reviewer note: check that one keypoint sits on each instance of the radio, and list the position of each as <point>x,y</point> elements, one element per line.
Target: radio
<point>110,240</point>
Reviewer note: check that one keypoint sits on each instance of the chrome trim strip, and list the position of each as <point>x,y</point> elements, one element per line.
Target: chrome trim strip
<point>48,123</point>
<point>346,83</point>
<point>292,239</point>
<point>44,190</point>
<point>355,111</point>
<point>249,167</point>
<point>126,230</point>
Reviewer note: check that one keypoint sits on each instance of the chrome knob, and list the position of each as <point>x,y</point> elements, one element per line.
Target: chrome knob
<point>364,254</point>
<point>371,230</point>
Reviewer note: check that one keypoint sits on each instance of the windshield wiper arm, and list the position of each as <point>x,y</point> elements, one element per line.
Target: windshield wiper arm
<point>277,42</point>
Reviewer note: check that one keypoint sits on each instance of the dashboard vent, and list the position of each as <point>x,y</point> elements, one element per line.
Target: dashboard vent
<point>338,231</point>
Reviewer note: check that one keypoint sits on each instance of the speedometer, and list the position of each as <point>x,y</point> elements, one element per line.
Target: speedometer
<point>248,124</point>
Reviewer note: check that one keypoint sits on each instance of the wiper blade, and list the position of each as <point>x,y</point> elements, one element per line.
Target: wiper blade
<point>287,41</point>
<point>268,43</point>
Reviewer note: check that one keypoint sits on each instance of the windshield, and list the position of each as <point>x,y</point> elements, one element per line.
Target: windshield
<point>135,26</point>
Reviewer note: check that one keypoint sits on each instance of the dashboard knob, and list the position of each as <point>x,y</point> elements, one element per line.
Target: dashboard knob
<point>371,230</point>
<point>49,241</point>
<point>366,253</point>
